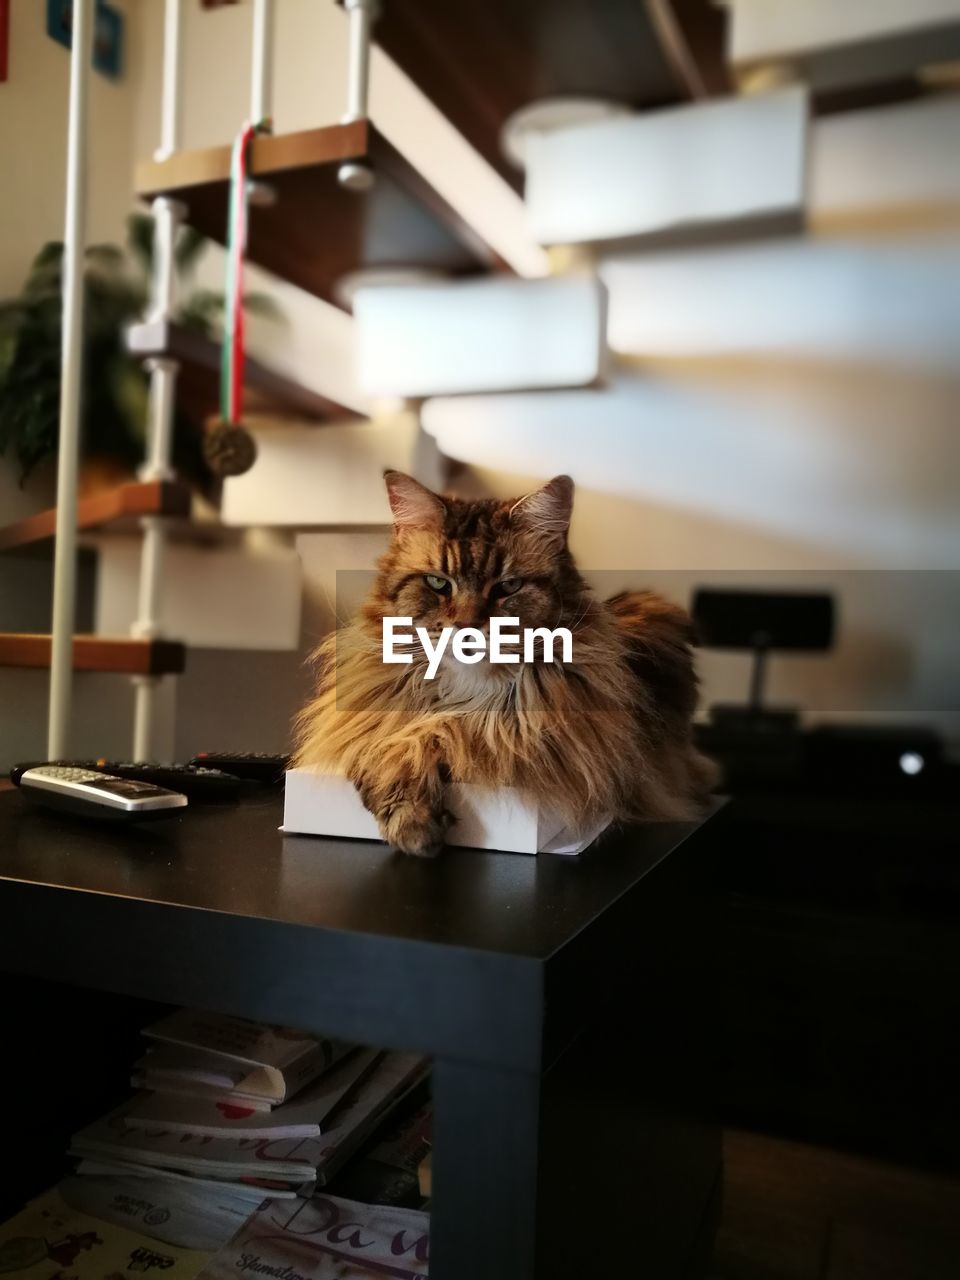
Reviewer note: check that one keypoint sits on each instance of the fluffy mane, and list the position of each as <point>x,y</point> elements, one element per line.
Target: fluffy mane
<point>606,733</point>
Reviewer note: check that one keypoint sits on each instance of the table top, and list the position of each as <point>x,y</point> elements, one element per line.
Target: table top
<point>218,907</point>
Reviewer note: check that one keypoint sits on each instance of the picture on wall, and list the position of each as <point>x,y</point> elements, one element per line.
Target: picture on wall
<point>108,35</point>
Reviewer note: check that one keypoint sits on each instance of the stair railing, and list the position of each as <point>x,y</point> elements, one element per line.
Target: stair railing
<point>68,449</point>
<point>168,215</point>
<point>167,218</point>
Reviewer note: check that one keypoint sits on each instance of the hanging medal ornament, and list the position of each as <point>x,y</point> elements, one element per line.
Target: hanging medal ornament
<point>228,446</point>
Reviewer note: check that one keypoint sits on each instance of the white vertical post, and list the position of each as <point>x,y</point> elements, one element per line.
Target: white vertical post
<point>361,14</point>
<point>160,417</point>
<point>171,115</point>
<point>65,557</point>
<point>147,623</point>
<point>356,175</point>
<point>261,80</point>
<point>167,216</point>
<point>147,692</point>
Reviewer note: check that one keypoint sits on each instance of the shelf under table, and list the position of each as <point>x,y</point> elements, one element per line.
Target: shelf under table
<point>498,965</point>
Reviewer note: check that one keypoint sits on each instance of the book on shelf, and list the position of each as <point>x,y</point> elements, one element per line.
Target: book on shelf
<point>283,1163</point>
<point>327,1238</point>
<point>304,1116</point>
<point>251,1191</point>
<point>388,1169</point>
<point>270,1163</point>
<point>191,1073</point>
<point>174,1086</point>
<point>267,1062</point>
<point>365,1107</point>
<point>425,1175</point>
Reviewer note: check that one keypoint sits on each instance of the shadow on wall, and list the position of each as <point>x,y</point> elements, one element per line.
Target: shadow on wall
<point>859,476</point>
<point>237,700</point>
<point>896,638</point>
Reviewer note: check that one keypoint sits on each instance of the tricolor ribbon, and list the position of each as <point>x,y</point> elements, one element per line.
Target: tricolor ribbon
<point>232,357</point>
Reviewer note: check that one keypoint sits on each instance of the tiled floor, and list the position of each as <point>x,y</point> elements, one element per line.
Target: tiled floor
<point>794,1212</point>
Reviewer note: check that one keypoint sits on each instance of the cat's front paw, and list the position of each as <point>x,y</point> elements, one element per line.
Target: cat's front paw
<point>415,830</point>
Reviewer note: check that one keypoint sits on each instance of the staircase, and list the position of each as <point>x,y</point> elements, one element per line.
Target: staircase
<point>399,223</point>
<point>339,209</point>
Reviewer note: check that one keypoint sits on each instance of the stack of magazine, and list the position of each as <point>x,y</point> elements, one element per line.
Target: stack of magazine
<point>245,1109</point>
<point>250,1148</point>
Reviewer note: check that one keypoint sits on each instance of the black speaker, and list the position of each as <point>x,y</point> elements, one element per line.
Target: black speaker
<point>764,619</point>
<point>761,621</point>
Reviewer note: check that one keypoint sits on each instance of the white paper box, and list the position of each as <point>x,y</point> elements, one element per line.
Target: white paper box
<point>486,818</point>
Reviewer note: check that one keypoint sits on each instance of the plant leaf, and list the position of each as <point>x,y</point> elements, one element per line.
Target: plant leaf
<point>140,240</point>
<point>190,248</point>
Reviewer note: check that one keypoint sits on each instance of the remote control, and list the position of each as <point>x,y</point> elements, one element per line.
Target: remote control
<point>89,794</point>
<point>201,785</point>
<point>256,766</point>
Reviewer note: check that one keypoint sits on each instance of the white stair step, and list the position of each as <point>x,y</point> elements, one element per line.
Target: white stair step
<point>709,171</point>
<point>827,296</point>
<point>837,44</point>
<point>476,336</point>
<point>896,159</point>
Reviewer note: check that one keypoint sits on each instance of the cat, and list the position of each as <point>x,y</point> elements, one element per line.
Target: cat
<point>608,733</point>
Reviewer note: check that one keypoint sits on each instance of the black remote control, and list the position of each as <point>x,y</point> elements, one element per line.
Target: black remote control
<point>202,785</point>
<point>87,793</point>
<point>256,766</point>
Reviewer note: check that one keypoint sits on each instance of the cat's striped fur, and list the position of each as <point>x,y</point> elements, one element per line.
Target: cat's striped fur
<point>608,733</point>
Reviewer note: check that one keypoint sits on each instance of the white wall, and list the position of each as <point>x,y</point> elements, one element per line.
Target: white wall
<point>33,152</point>
<point>786,407</point>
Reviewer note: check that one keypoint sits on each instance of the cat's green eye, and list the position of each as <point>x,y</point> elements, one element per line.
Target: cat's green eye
<point>508,586</point>
<point>436,583</point>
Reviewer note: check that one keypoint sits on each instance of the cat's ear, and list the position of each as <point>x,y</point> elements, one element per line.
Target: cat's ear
<point>546,510</point>
<point>413,505</point>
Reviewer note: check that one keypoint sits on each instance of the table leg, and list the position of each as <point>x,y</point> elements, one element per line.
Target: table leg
<point>485,1173</point>
<point>599,1167</point>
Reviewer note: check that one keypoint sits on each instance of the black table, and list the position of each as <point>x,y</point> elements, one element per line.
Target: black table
<point>556,995</point>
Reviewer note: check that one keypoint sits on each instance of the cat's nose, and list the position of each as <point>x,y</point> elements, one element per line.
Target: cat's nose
<point>469,613</point>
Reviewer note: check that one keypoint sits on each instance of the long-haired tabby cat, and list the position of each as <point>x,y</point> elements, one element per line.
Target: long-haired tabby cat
<point>607,733</point>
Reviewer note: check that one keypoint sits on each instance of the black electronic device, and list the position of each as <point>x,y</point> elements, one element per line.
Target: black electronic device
<point>199,784</point>
<point>760,622</point>
<point>254,766</point>
<point>857,757</point>
<point>87,793</point>
<point>798,621</point>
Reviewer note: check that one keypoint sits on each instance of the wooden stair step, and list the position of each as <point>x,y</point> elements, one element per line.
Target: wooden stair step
<point>120,654</point>
<point>314,232</point>
<point>198,379</point>
<point>125,502</point>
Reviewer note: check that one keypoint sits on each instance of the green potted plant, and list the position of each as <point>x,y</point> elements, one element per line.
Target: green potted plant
<point>114,404</point>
